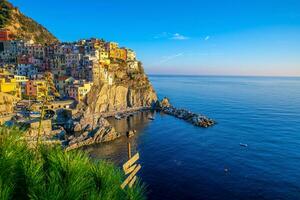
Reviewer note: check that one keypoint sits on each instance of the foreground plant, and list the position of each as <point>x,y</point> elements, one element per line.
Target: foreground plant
<point>51,173</point>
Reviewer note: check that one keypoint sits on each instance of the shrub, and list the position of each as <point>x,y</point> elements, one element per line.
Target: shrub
<point>51,173</point>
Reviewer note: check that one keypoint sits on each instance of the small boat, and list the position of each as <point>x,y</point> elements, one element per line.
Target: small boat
<point>243,145</point>
<point>131,133</point>
<point>151,118</point>
<point>118,117</point>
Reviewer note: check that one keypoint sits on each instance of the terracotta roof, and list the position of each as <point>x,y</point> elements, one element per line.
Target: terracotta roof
<point>62,78</point>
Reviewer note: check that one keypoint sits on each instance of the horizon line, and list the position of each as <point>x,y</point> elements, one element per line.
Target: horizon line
<point>220,75</point>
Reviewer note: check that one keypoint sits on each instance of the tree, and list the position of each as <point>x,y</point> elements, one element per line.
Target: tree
<point>49,89</point>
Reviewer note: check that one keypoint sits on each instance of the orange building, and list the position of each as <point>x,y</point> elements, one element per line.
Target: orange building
<point>4,35</point>
<point>122,54</point>
<point>36,89</point>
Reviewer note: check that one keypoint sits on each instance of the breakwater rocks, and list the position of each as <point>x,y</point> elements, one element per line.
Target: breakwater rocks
<point>193,118</point>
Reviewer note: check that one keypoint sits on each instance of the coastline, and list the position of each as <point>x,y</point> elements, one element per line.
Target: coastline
<point>105,132</point>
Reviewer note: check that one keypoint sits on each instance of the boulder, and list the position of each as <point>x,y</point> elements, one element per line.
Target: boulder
<point>69,125</point>
<point>165,103</point>
<point>77,127</point>
<point>61,135</point>
<point>88,128</point>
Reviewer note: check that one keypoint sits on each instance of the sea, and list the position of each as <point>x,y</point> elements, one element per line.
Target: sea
<point>253,151</point>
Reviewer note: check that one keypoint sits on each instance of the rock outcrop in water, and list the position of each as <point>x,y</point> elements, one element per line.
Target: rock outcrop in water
<point>193,118</point>
<point>130,90</point>
<point>103,132</point>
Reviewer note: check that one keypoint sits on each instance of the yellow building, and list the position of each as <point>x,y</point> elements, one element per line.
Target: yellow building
<point>115,52</point>
<point>111,45</point>
<point>10,86</point>
<point>41,87</point>
<point>22,80</point>
<point>119,54</point>
<point>83,90</point>
<point>79,91</point>
<point>104,57</point>
<point>4,72</point>
<point>122,54</point>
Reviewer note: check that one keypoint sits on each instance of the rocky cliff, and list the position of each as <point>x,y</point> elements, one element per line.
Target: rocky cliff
<point>21,26</point>
<point>129,89</point>
<point>107,98</point>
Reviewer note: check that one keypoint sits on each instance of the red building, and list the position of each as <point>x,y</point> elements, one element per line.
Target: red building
<point>31,89</point>
<point>4,35</point>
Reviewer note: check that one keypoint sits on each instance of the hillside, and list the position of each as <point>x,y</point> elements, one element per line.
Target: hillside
<point>21,26</point>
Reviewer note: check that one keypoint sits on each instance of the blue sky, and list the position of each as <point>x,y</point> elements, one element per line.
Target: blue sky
<point>229,37</point>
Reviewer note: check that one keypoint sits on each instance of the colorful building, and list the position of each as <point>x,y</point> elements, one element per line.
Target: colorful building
<point>104,57</point>
<point>61,84</point>
<point>118,54</point>
<point>22,80</point>
<point>79,91</point>
<point>10,86</point>
<point>30,70</point>
<point>4,72</point>
<point>115,52</point>
<point>131,56</point>
<point>111,46</point>
<point>122,54</point>
<point>36,89</point>
<point>4,35</point>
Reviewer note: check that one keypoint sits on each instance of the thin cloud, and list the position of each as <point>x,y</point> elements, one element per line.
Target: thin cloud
<point>171,57</point>
<point>178,36</point>
<point>170,36</point>
<point>207,38</point>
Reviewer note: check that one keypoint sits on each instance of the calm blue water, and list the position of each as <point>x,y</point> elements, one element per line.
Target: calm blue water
<point>180,161</point>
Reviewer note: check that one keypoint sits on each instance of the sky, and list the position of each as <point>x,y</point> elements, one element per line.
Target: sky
<point>191,37</point>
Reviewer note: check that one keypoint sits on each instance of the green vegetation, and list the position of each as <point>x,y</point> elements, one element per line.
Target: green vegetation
<point>50,173</point>
<point>21,26</point>
<point>39,33</point>
<point>5,13</point>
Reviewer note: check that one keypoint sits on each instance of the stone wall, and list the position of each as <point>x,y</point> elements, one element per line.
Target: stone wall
<point>6,103</point>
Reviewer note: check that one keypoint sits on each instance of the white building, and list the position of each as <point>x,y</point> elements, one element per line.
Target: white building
<point>131,56</point>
